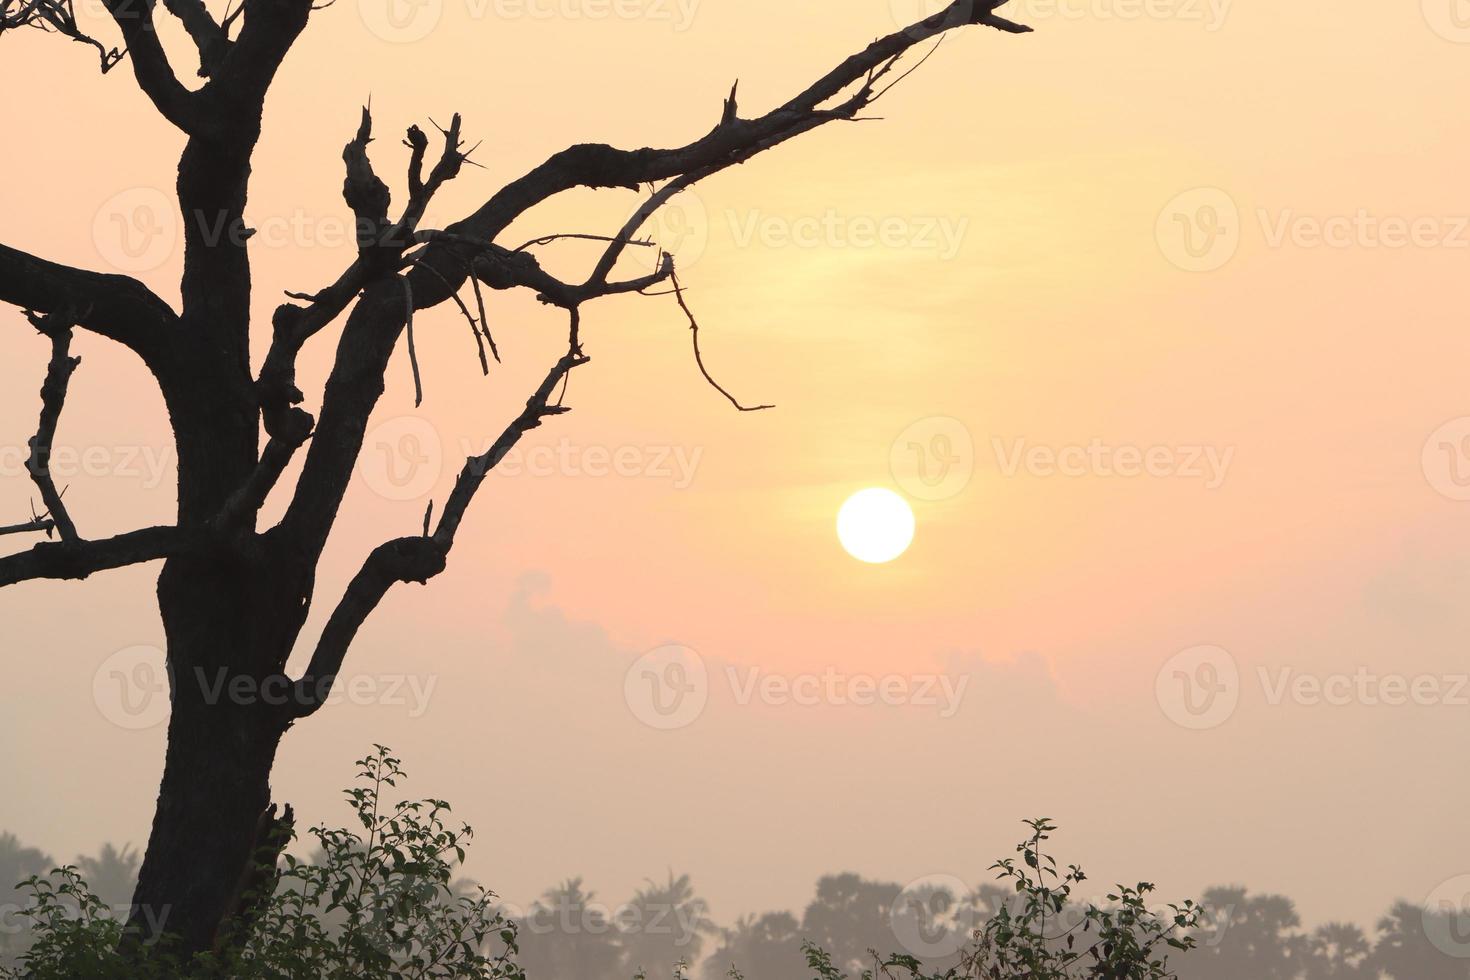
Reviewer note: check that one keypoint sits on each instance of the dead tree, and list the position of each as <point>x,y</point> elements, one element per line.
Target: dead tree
<point>233,597</point>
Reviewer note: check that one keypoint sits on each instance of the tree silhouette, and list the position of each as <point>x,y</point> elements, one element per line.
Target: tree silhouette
<point>234,597</point>
<point>568,934</point>
<point>1405,950</point>
<point>18,861</point>
<point>664,925</point>
<point>1250,936</point>
<point>112,874</point>
<point>850,915</point>
<point>1339,951</point>
<point>768,946</point>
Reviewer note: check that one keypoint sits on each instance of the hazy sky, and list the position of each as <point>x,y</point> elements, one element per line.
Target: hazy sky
<point>1175,290</point>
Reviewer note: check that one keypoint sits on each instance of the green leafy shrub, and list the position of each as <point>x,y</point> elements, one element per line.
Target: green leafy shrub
<point>1045,933</point>
<point>378,902</point>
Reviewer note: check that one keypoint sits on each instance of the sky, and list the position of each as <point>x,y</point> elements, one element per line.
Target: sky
<point>1155,316</point>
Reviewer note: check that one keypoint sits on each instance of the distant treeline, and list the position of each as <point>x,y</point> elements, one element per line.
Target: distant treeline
<point>571,934</point>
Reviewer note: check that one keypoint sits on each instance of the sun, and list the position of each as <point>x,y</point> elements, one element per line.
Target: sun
<point>875,525</point>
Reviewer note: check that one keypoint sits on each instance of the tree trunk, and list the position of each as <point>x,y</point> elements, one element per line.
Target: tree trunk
<point>225,620</point>
<point>215,791</point>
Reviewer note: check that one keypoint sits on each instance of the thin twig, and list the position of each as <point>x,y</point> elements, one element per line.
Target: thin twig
<point>413,356</point>
<point>480,302</point>
<point>698,358</point>
<point>920,64</point>
<point>474,327</point>
<point>548,239</point>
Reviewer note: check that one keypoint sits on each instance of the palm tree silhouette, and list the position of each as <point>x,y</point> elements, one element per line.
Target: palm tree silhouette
<point>767,947</point>
<point>566,933</point>
<point>1252,937</point>
<point>1340,951</point>
<point>1406,951</point>
<point>112,874</point>
<point>849,915</point>
<point>663,925</point>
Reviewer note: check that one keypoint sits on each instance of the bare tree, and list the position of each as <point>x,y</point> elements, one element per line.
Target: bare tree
<point>234,597</point>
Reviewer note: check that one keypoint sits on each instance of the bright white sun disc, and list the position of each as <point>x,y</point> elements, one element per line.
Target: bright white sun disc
<point>875,525</point>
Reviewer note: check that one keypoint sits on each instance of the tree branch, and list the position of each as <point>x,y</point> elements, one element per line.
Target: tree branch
<point>292,431</point>
<point>42,524</point>
<point>733,140</point>
<point>155,76</point>
<point>54,15</point>
<point>362,189</point>
<point>416,559</point>
<point>268,29</point>
<point>78,559</point>
<point>476,468</point>
<point>56,326</point>
<point>209,37</point>
<point>118,307</point>
<point>381,244</point>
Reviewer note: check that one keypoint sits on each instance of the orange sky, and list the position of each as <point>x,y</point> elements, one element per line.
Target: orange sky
<point>1032,282</point>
